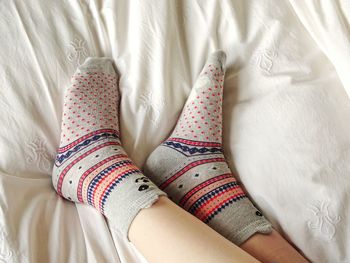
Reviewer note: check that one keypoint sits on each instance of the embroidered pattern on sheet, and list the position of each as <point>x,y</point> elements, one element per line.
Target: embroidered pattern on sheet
<point>5,251</point>
<point>78,51</point>
<point>323,223</point>
<point>38,154</point>
<point>152,105</point>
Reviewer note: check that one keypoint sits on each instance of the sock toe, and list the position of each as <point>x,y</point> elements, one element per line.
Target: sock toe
<point>98,64</point>
<point>218,57</point>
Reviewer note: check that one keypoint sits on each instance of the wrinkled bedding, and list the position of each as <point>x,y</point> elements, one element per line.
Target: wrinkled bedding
<point>286,111</point>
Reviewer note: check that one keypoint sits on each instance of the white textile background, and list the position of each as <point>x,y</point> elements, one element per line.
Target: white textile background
<point>286,111</point>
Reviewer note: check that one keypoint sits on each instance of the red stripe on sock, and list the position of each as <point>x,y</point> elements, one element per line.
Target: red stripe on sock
<point>184,199</point>
<point>109,185</point>
<point>72,144</point>
<point>98,206</point>
<point>195,143</point>
<point>205,214</point>
<point>65,171</point>
<point>90,170</point>
<point>187,168</point>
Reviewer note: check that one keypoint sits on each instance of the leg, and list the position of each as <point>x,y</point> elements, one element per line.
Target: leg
<point>185,239</point>
<point>91,166</point>
<point>272,248</point>
<point>191,168</point>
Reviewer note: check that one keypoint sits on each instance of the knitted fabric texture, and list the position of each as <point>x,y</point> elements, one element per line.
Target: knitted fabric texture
<point>91,167</point>
<point>191,168</point>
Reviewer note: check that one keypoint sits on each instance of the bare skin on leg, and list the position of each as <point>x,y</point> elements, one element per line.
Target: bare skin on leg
<point>167,233</point>
<point>272,248</point>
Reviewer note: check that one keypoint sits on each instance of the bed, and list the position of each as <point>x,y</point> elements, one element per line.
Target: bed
<point>286,111</point>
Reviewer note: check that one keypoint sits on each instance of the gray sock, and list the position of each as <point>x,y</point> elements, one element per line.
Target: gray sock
<point>191,168</point>
<point>91,166</point>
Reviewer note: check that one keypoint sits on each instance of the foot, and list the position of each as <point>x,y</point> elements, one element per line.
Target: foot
<point>191,168</point>
<point>91,166</point>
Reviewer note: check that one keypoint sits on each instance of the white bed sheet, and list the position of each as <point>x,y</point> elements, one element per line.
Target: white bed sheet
<point>286,111</point>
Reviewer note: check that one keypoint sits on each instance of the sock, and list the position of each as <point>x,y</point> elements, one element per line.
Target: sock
<point>191,168</point>
<point>91,166</point>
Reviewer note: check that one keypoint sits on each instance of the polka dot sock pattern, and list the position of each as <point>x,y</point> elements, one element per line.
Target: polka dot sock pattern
<point>91,167</point>
<point>191,168</point>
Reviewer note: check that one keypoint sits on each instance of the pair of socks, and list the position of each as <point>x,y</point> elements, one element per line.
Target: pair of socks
<point>91,166</point>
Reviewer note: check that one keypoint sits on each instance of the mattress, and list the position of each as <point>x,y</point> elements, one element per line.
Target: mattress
<point>286,111</point>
